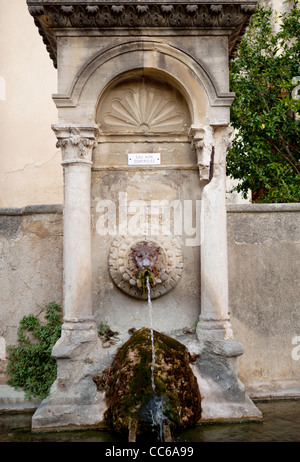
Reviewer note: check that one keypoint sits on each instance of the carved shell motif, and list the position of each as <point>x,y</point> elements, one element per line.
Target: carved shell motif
<point>144,110</point>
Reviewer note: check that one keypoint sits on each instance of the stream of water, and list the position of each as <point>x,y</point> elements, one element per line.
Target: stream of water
<point>157,408</point>
<point>151,330</point>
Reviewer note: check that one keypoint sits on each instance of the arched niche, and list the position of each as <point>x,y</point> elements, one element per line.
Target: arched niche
<point>144,110</point>
<point>207,104</point>
<point>143,102</point>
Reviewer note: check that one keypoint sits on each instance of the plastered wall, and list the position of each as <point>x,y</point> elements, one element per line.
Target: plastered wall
<point>30,170</point>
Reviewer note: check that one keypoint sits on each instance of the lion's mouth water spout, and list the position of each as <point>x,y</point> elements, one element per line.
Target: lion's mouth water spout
<point>145,256</point>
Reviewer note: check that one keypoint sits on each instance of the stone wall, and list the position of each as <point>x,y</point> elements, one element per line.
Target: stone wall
<point>30,170</point>
<point>31,266</point>
<point>264,248</point>
<point>264,275</point>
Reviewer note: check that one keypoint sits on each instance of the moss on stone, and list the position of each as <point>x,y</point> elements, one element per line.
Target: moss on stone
<point>129,390</point>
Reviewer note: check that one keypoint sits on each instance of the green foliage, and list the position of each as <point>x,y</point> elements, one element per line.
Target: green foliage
<point>30,365</point>
<point>103,329</point>
<point>194,326</point>
<point>265,155</point>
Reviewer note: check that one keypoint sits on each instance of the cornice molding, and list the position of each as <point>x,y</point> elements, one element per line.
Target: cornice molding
<point>227,18</point>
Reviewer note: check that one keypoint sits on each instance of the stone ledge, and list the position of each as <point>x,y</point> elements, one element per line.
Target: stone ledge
<point>12,400</point>
<point>62,417</point>
<point>263,208</point>
<point>32,210</point>
<point>233,208</point>
<point>273,389</point>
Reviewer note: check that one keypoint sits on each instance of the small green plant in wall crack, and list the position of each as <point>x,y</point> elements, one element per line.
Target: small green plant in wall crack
<point>106,334</point>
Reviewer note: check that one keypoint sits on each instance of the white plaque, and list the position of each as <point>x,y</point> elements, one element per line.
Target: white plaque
<point>145,158</point>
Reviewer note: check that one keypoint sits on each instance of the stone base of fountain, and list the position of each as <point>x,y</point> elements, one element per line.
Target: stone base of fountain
<point>74,401</point>
<point>224,397</point>
<point>121,394</point>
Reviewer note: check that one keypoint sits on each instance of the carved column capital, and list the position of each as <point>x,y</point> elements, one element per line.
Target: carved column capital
<point>76,142</point>
<point>203,144</point>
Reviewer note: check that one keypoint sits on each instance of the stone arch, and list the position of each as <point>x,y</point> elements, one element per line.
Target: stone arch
<point>190,76</point>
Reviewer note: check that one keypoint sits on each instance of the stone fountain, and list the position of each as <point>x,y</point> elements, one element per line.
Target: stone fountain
<point>144,110</point>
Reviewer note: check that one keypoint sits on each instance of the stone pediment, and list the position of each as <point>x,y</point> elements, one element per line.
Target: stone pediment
<point>203,17</point>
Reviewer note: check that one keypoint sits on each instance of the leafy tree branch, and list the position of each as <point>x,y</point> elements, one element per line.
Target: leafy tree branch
<point>265,155</point>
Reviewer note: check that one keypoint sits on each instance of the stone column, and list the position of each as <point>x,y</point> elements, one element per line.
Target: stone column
<point>219,349</point>
<point>224,394</point>
<point>79,327</point>
<point>77,143</point>
<point>210,144</point>
<point>74,399</point>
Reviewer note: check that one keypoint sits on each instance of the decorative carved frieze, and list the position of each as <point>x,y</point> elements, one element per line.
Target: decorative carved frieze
<point>150,15</point>
<point>231,16</point>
